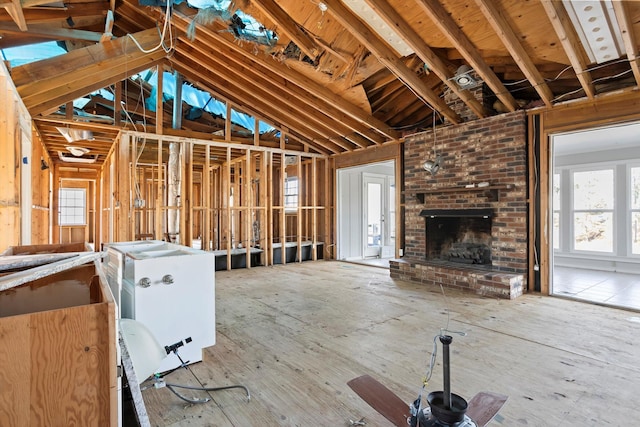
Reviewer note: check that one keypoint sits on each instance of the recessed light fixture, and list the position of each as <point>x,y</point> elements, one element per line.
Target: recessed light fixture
<point>463,78</point>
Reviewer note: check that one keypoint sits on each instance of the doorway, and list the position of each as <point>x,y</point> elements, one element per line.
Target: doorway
<point>595,206</point>
<point>76,211</point>
<point>366,213</point>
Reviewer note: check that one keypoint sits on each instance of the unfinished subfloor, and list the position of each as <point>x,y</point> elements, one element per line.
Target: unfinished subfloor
<point>296,334</point>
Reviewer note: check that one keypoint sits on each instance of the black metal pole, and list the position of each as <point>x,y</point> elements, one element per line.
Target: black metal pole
<point>446,340</point>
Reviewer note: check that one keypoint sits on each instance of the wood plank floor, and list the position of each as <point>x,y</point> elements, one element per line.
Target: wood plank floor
<point>296,334</point>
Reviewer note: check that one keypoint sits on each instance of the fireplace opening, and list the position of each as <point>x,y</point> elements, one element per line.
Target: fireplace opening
<point>458,236</point>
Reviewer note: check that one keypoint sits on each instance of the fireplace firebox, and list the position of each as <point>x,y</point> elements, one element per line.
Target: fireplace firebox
<point>458,236</point>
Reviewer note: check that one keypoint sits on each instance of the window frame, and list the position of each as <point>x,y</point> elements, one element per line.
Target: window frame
<point>63,206</point>
<point>630,209</point>
<point>612,211</point>
<point>289,204</point>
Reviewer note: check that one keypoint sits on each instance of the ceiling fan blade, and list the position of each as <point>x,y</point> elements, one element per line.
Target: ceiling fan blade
<point>380,398</point>
<point>484,406</point>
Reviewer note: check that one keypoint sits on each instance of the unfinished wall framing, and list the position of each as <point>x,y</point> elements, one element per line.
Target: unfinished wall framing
<point>252,205</point>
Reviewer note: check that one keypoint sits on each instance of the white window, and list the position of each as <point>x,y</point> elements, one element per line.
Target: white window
<point>72,202</point>
<point>291,193</point>
<point>593,206</point>
<point>634,204</point>
<point>556,210</point>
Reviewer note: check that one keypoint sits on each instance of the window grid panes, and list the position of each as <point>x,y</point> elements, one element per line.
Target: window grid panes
<point>593,204</point>
<point>291,193</point>
<point>635,209</point>
<point>72,202</point>
<point>556,211</point>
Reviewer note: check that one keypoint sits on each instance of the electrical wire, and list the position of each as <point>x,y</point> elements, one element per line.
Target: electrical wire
<point>559,97</point>
<point>166,25</point>
<point>172,386</point>
<point>417,404</point>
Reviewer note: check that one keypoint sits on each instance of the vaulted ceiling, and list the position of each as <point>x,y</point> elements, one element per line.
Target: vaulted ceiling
<point>339,76</point>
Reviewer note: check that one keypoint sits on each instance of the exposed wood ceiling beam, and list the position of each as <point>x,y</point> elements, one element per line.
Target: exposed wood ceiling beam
<point>74,10</point>
<point>14,9</point>
<point>292,77</point>
<point>501,26</point>
<point>388,57</point>
<point>286,114</point>
<point>461,42</point>
<point>570,42</point>
<point>219,85</point>
<point>628,37</point>
<point>52,82</point>
<point>289,27</point>
<point>433,61</point>
<point>387,77</point>
<point>246,77</point>
<point>261,77</point>
<point>33,3</point>
<point>47,32</point>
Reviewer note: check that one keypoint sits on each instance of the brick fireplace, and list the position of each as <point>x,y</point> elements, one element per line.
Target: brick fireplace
<point>466,226</point>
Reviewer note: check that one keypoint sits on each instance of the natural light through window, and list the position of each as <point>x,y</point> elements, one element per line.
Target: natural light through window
<point>291,193</point>
<point>635,210</point>
<point>593,204</point>
<point>556,211</point>
<point>72,203</point>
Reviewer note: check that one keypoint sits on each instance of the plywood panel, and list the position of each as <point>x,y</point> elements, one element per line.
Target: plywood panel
<point>57,367</point>
<point>71,385</point>
<point>14,377</point>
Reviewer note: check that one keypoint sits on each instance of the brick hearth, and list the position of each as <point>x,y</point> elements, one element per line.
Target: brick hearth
<point>490,150</point>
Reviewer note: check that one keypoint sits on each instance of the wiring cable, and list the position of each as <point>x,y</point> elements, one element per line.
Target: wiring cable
<point>416,407</point>
<point>166,26</point>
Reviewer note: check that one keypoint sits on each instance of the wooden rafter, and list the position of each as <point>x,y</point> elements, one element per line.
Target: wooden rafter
<point>388,57</point>
<point>461,42</point>
<point>318,136</point>
<point>289,27</point>
<point>393,18</point>
<point>55,81</point>
<point>388,77</point>
<point>258,78</point>
<point>47,32</point>
<point>628,37</point>
<point>217,84</point>
<point>14,9</point>
<point>291,77</point>
<point>501,26</point>
<point>570,42</point>
<point>283,102</point>
<point>50,14</point>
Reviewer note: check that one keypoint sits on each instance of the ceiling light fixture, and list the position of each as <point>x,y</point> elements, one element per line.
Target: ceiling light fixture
<point>433,166</point>
<point>77,151</point>
<point>71,159</point>
<point>596,25</point>
<point>463,77</point>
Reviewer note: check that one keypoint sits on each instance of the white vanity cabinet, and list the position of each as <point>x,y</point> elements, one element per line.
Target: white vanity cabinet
<point>170,289</point>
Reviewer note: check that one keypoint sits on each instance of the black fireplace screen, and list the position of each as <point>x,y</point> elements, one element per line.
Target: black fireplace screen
<point>459,236</point>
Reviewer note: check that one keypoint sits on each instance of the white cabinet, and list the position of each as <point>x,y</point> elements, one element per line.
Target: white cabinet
<point>171,290</point>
